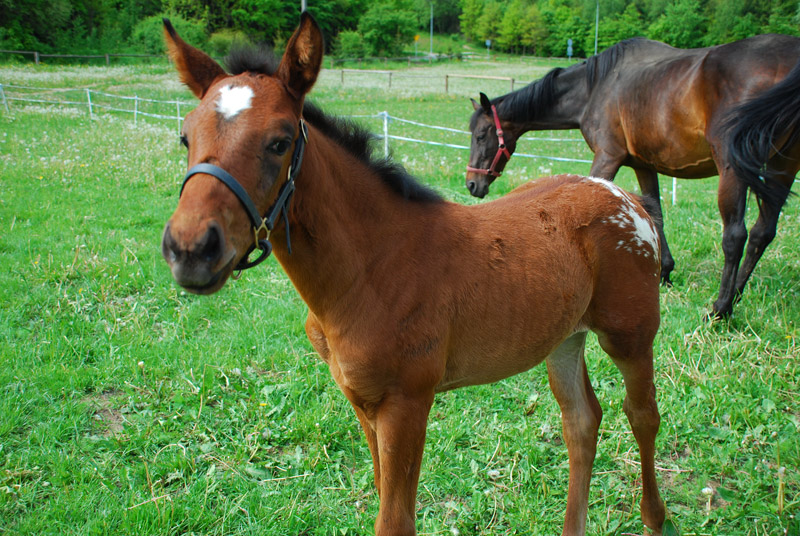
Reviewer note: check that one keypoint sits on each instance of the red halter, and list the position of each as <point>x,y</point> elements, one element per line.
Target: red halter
<point>501,149</point>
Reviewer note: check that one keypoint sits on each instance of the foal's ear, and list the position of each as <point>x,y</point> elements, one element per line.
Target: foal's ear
<point>475,105</point>
<point>486,104</point>
<point>302,60</point>
<point>196,68</point>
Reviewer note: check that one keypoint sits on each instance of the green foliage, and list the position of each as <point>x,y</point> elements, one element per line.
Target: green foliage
<point>264,20</point>
<point>626,25</point>
<point>148,35</point>
<point>682,24</point>
<point>540,27</point>
<point>220,43</point>
<point>386,29</point>
<point>350,44</point>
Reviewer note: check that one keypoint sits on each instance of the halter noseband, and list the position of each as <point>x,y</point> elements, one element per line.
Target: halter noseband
<point>281,205</point>
<point>501,150</point>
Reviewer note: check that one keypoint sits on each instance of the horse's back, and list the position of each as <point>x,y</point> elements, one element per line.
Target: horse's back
<point>665,107</point>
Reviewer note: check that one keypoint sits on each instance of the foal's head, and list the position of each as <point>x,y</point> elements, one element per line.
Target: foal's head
<point>246,125</point>
<point>490,149</point>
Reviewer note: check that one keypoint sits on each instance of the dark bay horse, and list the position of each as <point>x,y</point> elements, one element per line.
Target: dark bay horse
<point>656,109</point>
<point>408,294</point>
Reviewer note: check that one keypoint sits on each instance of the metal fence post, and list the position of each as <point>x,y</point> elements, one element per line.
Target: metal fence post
<point>3,94</point>
<point>385,116</point>
<point>89,99</point>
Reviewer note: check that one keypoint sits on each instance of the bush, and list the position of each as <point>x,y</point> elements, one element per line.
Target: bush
<point>221,42</point>
<point>349,44</point>
<point>148,35</point>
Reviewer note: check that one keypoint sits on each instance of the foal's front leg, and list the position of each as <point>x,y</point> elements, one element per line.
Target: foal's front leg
<point>395,429</point>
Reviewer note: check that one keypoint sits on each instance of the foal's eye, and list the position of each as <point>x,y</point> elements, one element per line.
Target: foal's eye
<point>280,147</point>
<point>481,137</point>
<point>185,141</point>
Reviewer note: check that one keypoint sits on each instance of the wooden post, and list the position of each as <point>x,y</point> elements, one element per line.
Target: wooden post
<point>390,79</point>
<point>447,83</point>
<point>107,61</point>
<point>36,57</point>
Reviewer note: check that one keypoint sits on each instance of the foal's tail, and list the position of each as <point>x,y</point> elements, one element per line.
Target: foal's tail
<point>755,127</point>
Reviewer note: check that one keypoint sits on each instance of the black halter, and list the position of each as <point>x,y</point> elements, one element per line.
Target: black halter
<point>281,205</point>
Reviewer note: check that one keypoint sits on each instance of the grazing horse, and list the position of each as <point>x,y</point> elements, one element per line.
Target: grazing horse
<point>408,294</point>
<point>656,109</point>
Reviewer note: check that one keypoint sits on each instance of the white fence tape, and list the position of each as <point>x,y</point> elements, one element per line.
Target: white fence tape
<point>95,105</point>
<point>7,96</point>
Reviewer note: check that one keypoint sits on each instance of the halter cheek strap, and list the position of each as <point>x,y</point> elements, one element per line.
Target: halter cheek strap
<point>280,206</point>
<point>501,150</point>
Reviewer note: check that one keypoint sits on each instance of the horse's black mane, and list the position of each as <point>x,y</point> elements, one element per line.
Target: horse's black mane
<point>355,138</point>
<point>540,95</point>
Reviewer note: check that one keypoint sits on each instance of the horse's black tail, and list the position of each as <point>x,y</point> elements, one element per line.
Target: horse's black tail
<point>755,127</point>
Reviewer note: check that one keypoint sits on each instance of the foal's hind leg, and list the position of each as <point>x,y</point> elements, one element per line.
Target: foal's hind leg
<point>633,356</point>
<point>580,417</point>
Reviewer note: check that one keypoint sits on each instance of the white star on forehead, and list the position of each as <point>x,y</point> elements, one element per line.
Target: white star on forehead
<point>233,100</point>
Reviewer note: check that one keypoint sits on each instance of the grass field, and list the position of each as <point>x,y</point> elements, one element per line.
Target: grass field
<point>130,407</point>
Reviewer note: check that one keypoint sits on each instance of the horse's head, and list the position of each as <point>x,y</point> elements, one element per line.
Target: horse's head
<point>490,149</point>
<point>241,141</point>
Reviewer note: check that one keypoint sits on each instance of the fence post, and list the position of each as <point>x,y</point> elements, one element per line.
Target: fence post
<point>342,75</point>
<point>385,116</point>
<point>89,99</point>
<point>512,84</point>
<point>674,191</point>
<point>447,83</point>
<point>3,94</point>
<point>390,79</point>
<point>135,108</point>
<point>36,57</point>
<point>107,61</point>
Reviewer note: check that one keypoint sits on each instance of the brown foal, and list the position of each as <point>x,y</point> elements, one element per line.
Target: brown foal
<point>408,294</point>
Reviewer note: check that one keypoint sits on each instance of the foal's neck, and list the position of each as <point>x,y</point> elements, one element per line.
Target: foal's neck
<point>344,221</point>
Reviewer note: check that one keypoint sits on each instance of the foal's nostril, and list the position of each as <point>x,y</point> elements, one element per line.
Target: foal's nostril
<point>168,245</point>
<point>210,246</point>
<point>471,186</point>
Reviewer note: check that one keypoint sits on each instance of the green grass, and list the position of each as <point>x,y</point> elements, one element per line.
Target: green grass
<point>130,407</point>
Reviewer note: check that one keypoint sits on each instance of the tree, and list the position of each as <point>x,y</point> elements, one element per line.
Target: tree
<point>264,20</point>
<point>534,31</point>
<point>682,25</point>
<point>471,11</point>
<point>386,29</point>
<point>511,27</point>
<point>615,28</point>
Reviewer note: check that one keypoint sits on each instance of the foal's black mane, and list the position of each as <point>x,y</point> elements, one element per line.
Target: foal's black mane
<point>523,104</point>
<point>354,138</point>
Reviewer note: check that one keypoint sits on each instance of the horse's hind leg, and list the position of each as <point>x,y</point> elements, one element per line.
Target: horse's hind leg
<point>580,417</point>
<point>648,182</point>
<point>633,355</point>
<point>731,199</point>
<point>763,231</point>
